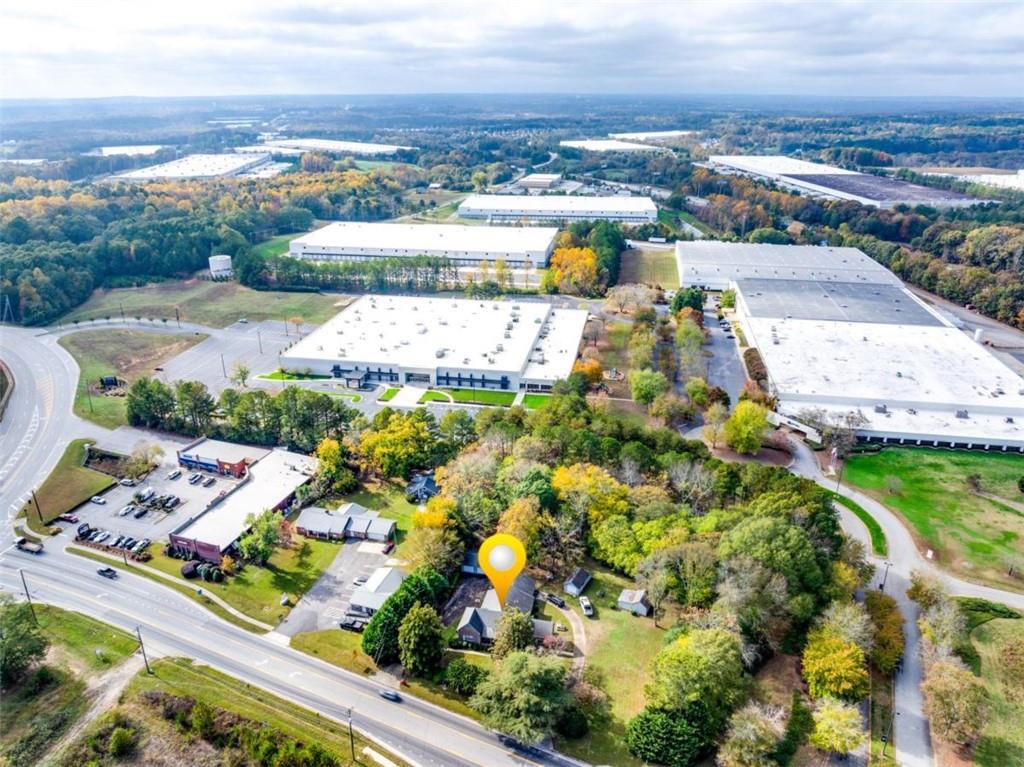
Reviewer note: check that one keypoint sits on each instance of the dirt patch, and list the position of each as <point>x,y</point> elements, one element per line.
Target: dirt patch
<point>777,680</point>
<point>469,593</point>
<point>769,455</point>
<point>948,755</point>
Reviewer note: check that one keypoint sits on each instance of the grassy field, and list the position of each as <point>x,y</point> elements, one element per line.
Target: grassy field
<point>1002,741</point>
<point>179,676</point>
<point>387,499</point>
<point>482,396</point>
<point>652,267</point>
<point>127,354</point>
<point>971,534</point>
<point>68,485</point>
<point>256,591</point>
<point>275,246</point>
<point>388,394</point>
<point>612,355</point>
<point>620,646</point>
<point>217,304</point>
<point>878,543</point>
<point>534,401</point>
<point>30,720</point>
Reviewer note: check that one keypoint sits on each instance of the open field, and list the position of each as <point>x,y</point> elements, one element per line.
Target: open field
<point>80,648</point>
<point>217,304</point>
<point>275,246</point>
<point>256,591</point>
<point>68,485</point>
<point>971,534</point>
<point>651,267</point>
<point>125,353</point>
<point>620,648</point>
<point>1002,741</point>
<point>534,401</point>
<point>179,676</point>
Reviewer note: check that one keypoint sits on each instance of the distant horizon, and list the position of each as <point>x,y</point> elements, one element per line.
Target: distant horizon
<point>897,49</point>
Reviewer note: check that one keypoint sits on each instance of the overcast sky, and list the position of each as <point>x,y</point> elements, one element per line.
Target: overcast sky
<point>89,48</point>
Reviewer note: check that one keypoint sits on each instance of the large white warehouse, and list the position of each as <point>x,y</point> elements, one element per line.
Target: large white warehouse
<point>461,245</point>
<point>839,336</point>
<point>496,207</point>
<point>201,166</point>
<point>461,343</point>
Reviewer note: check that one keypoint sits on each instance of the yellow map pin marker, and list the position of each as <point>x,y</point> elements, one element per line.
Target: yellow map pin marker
<point>502,557</point>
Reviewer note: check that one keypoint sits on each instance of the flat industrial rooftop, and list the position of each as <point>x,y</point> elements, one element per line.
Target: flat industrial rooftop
<point>835,301</point>
<point>608,145</point>
<point>198,166</point>
<point>415,332</point>
<point>554,204</point>
<point>880,188</point>
<point>704,262</point>
<point>331,145</point>
<point>414,238</point>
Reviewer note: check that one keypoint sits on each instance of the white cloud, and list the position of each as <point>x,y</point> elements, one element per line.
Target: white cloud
<point>118,48</point>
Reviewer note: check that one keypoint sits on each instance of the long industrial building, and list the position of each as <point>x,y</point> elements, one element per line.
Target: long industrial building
<point>201,166</point>
<point>461,245</point>
<point>332,146</point>
<point>609,145</point>
<point>496,207</point>
<point>460,343</point>
<point>842,337</point>
<point>838,183</point>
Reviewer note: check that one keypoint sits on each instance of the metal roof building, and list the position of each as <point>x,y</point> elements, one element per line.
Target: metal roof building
<point>199,166</point>
<point>461,245</point>
<point>496,207</point>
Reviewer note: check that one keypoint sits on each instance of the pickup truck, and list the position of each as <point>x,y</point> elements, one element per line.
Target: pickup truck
<point>31,547</point>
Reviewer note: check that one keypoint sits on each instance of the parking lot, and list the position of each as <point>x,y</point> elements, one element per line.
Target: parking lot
<point>326,603</point>
<point>158,521</point>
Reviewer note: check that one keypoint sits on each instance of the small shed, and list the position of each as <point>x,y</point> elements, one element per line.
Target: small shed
<point>635,601</point>
<point>577,582</point>
<point>421,488</point>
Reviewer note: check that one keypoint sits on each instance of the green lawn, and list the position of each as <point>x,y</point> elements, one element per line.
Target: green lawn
<point>179,676</point>
<point>80,647</point>
<point>126,353</point>
<point>256,591</point>
<point>68,485</point>
<point>482,396</point>
<point>1002,741</point>
<point>388,394</point>
<point>344,649</point>
<point>652,267</point>
<point>217,304</point>
<point>534,401</point>
<point>275,246</point>
<point>970,534</point>
<point>288,375</point>
<point>434,396</point>
<point>620,646</point>
<point>878,543</point>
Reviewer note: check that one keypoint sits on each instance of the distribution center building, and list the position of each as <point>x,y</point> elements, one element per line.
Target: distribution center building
<point>497,207</point>
<point>838,183</point>
<point>841,337</point>
<point>200,166</point>
<point>461,245</point>
<point>505,345</point>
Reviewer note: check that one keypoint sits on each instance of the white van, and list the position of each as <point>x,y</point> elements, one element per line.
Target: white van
<point>146,494</point>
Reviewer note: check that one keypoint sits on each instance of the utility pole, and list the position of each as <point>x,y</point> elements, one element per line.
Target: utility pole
<point>138,633</point>
<point>351,737</point>
<point>259,340</point>
<point>39,511</point>
<point>223,368</point>
<point>177,316</point>
<point>31,607</point>
<point>121,305</point>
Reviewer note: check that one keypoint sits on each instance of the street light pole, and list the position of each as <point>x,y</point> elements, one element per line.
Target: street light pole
<point>142,646</point>
<point>223,368</point>
<point>351,737</point>
<point>259,340</point>
<point>31,607</point>
<point>39,511</point>
<point>885,576</point>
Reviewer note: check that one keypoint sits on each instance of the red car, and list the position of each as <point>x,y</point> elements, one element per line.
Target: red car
<point>389,547</point>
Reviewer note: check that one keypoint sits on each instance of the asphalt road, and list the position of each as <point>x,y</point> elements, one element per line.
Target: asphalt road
<point>38,426</point>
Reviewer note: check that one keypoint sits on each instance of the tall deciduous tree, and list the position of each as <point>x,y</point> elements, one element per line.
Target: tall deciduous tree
<point>754,734</point>
<point>746,427</point>
<point>421,640</point>
<point>834,668</point>
<point>524,696</point>
<point>258,544</point>
<point>514,633</point>
<point>838,726</point>
<point>21,641</point>
<point>955,702</point>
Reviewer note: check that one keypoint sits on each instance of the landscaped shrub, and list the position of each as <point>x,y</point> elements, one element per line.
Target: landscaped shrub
<point>756,368</point>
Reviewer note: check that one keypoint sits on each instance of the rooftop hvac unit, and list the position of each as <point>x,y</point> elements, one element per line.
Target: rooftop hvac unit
<point>465,360</point>
<point>500,347</point>
<point>421,331</point>
<point>490,360</point>
<point>439,353</point>
<point>319,348</point>
<point>961,414</point>
<point>881,409</point>
<point>507,334</point>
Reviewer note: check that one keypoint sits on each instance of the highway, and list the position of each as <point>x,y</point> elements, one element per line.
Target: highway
<point>38,426</point>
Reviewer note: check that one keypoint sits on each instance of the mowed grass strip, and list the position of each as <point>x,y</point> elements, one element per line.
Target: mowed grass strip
<point>878,543</point>
<point>1002,741</point>
<point>217,304</point>
<point>69,485</point>
<point>482,396</point>
<point>179,676</point>
<point>256,591</point>
<point>971,534</point>
<point>88,642</point>
<point>125,353</point>
<point>651,267</point>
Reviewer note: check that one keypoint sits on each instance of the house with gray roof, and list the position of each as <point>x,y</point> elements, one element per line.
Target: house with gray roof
<point>348,521</point>
<point>479,625</point>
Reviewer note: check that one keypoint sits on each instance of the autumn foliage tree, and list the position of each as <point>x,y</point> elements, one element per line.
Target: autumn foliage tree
<point>834,668</point>
<point>572,271</point>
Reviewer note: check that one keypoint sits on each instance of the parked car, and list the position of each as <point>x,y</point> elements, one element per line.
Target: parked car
<point>174,474</point>
<point>127,482</point>
<point>360,580</point>
<point>68,518</point>
<point>388,547</point>
<point>126,510</point>
<point>391,695</point>
<point>127,543</point>
<point>98,499</point>
<point>107,572</point>
<point>588,609</point>
<point>194,477</point>
<point>146,494</point>
<point>140,513</point>
<point>118,541</point>
<point>556,600</point>
<point>141,546</point>
<point>208,482</point>
<point>84,531</point>
<point>103,536</point>
<point>352,624</point>
<point>94,535</point>
<point>171,502</point>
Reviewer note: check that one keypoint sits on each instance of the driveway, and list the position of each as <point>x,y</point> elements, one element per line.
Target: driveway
<point>725,368</point>
<point>325,604</point>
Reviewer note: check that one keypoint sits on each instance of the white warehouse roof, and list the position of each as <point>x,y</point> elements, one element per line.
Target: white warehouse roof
<point>774,165</point>
<point>609,145</point>
<point>559,206</point>
<point>382,239</point>
<point>340,147</point>
<point>651,135</point>
<point>199,166</point>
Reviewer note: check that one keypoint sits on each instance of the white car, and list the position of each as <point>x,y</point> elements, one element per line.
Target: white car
<point>126,510</point>
<point>174,474</point>
<point>588,609</point>
<point>98,499</point>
